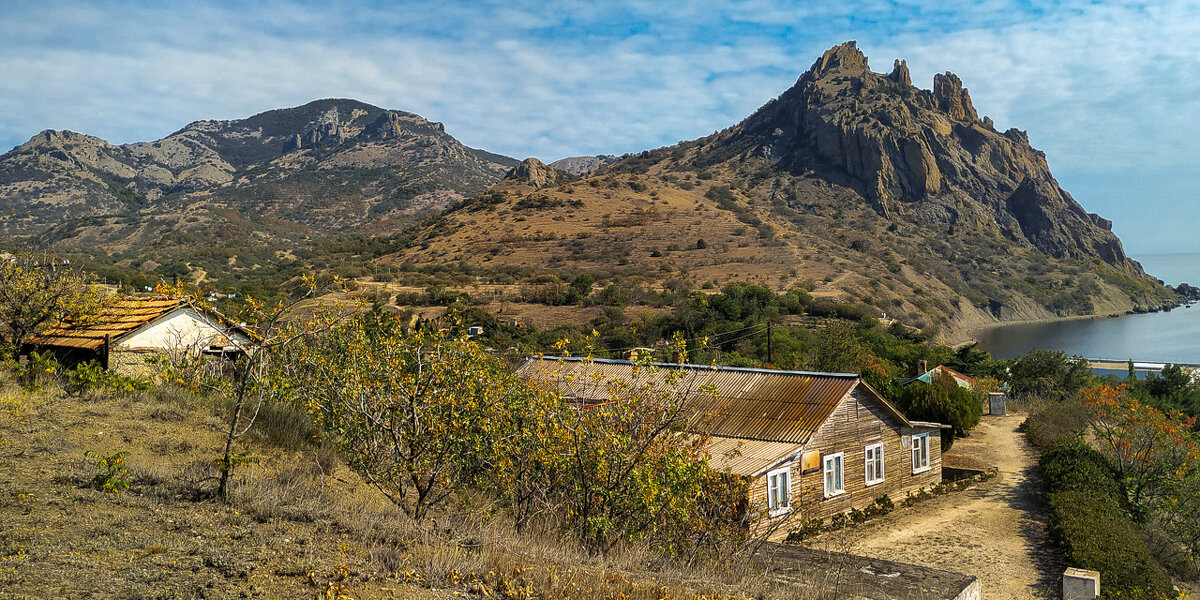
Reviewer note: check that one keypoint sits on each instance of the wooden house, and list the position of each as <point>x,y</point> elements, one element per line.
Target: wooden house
<point>814,445</point>
<point>125,331</point>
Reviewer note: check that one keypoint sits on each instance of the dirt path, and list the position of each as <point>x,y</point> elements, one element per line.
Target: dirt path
<point>996,530</point>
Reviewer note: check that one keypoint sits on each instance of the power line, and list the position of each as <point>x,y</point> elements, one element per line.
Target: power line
<point>709,342</point>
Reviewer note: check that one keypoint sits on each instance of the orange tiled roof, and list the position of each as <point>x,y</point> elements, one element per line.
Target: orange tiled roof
<point>114,320</point>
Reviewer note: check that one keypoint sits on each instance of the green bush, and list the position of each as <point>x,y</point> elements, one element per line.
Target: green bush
<point>1089,521</point>
<point>1055,421</point>
<point>90,375</point>
<point>113,475</point>
<point>941,402</point>
<point>1049,375</point>
<point>39,369</point>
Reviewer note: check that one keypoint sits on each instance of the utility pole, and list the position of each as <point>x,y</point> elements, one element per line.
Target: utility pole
<point>770,358</point>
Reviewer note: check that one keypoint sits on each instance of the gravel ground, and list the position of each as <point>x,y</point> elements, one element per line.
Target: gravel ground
<point>995,530</point>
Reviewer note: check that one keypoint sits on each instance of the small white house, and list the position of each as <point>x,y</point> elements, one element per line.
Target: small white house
<point>126,331</point>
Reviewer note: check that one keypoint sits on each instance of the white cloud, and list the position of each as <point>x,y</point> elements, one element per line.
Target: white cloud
<point>1102,88</point>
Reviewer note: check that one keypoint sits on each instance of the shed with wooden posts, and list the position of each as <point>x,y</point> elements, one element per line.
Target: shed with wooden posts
<point>126,331</point>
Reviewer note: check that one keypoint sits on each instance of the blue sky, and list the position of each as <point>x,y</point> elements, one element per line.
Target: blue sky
<point>1109,90</point>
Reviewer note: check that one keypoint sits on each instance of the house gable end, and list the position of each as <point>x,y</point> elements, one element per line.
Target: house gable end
<point>182,327</point>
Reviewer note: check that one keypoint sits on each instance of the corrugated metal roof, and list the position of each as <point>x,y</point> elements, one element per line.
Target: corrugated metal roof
<point>115,320</point>
<point>750,404</point>
<point>750,458</point>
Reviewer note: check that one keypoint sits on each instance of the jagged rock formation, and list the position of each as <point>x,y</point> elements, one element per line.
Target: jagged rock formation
<point>538,173</point>
<point>328,165</point>
<point>921,153</point>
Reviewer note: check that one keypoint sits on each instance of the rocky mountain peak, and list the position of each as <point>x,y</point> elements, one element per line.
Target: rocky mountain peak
<point>911,154</point>
<point>953,98</point>
<point>844,58</point>
<point>393,124</point>
<point>900,74</point>
<point>582,165</point>
<point>51,138</point>
<point>406,164</point>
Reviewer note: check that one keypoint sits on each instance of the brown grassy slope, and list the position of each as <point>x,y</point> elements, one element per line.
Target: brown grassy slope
<point>301,525</point>
<point>613,223</point>
<point>290,533</point>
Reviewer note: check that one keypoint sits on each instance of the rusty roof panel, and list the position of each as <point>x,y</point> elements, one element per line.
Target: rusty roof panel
<point>750,458</point>
<point>751,404</point>
<point>114,320</point>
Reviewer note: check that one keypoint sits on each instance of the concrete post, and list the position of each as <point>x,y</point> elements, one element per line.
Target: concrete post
<point>1080,584</point>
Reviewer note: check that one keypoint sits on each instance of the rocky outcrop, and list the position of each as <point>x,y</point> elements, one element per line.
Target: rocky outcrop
<point>953,98</point>
<point>1188,292</point>
<point>845,59</point>
<point>538,173</point>
<point>393,124</point>
<point>900,74</point>
<point>920,155</point>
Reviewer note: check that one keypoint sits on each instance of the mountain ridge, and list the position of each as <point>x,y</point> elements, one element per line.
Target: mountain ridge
<point>866,187</point>
<point>855,184</point>
<point>279,177</point>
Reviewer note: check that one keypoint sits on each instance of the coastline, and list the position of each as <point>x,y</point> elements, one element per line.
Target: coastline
<point>974,332</point>
<point>1163,336</point>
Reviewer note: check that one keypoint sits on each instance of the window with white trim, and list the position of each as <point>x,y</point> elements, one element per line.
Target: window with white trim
<point>920,452</point>
<point>779,491</point>
<point>874,464</point>
<point>835,470</point>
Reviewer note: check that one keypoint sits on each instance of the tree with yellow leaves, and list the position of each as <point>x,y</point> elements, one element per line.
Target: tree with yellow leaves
<point>254,380</point>
<point>37,291</point>
<point>418,414</point>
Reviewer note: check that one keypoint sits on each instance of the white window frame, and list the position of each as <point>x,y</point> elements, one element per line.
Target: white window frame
<point>920,453</point>
<point>873,463</point>
<point>840,472</point>
<point>779,491</point>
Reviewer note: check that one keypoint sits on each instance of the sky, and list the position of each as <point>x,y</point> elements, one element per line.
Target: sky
<point>1110,91</point>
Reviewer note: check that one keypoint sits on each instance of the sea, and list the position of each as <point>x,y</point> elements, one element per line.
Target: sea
<point>1163,337</point>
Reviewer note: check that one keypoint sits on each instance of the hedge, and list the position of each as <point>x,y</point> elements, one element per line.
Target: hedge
<point>1089,520</point>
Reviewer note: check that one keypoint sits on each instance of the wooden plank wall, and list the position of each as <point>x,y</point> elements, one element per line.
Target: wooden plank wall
<point>855,424</point>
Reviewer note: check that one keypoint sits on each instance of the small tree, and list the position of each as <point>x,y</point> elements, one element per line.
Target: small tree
<point>635,464</point>
<point>39,291</point>
<point>1048,375</point>
<point>418,415</point>
<point>837,349</point>
<point>254,378</point>
<point>942,401</point>
<point>1156,456</point>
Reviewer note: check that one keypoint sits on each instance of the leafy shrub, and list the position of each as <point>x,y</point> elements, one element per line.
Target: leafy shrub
<point>881,506</point>
<point>38,370</point>
<point>1055,421</point>
<point>1089,520</point>
<point>90,375</point>
<point>1049,375</point>
<point>114,475</point>
<point>911,498</point>
<point>807,529</point>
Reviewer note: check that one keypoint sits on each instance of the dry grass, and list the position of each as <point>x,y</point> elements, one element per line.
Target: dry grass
<point>301,524</point>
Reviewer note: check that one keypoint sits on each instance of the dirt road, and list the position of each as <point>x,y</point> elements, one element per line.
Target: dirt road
<point>995,530</point>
